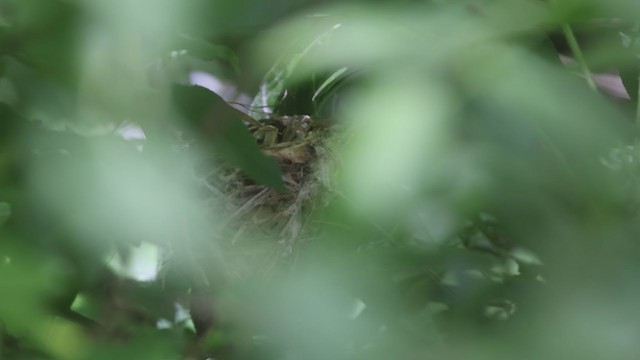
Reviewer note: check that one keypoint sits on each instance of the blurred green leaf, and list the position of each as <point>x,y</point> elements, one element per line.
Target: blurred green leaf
<point>29,37</point>
<point>273,85</point>
<point>5,211</point>
<point>205,50</point>
<point>147,345</point>
<point>27,281</point>
<point>630,78</point>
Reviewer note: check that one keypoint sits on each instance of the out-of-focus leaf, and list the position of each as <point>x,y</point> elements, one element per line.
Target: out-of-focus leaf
<point>221,127</point>
<point>545,49</point>
<point>630,78</point>
<point>5,211</point>
<point>273,85</point>
<point>44,35</point>
<point>386,35</point>
<point>211,18</point>
<point>145,345</point>
<point>630,71</point>
<point>7,92</point>
<point>27,282</point>
<point>49,101</point>
<point>394,143</point>
<point>525,256</point>
<point>89,307</point>
<point>64,340</point>
<point>205,50</point>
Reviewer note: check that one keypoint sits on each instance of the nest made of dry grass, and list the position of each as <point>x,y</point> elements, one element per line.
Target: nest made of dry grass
<point>256,214</point>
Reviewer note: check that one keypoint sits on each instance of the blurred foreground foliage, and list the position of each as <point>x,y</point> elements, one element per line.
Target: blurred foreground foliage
<point>412,179</point>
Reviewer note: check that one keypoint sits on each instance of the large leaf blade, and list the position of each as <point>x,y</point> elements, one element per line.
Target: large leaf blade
<point>221,126</point>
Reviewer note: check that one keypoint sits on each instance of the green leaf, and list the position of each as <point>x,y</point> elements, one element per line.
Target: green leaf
<point>627,51</point>
<point>330,91</point>
<point>28,279</point>
<point>546,50</point>
<point>222,127</point>
<point>630,77</point>
<point>205,50</point>
<point>44,35</point>
<point>274,82</point>
<point>328,82</point>
<point>5,211</point>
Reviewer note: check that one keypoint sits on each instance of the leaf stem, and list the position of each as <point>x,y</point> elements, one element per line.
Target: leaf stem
<point>578,55</point>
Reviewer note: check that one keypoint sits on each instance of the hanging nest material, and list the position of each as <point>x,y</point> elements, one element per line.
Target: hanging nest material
<point>266,226</point>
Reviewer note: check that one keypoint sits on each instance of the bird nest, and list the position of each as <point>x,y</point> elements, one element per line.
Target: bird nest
<point>266,227</point>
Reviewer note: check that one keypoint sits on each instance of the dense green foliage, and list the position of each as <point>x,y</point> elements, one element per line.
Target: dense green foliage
<point>452,180</point>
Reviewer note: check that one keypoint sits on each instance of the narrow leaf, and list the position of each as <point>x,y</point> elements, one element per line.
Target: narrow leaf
<point>328,82</point>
